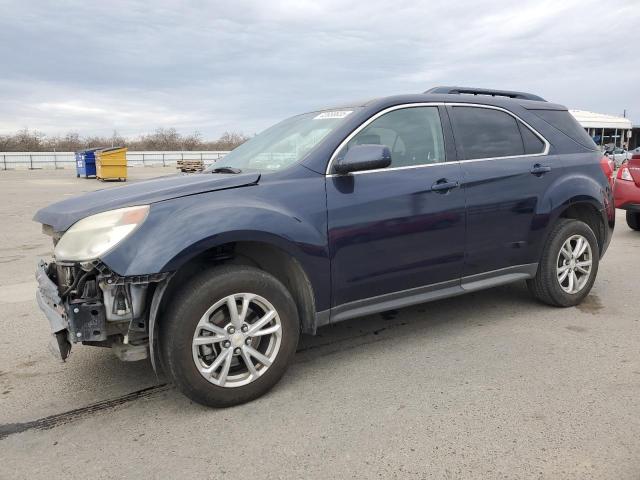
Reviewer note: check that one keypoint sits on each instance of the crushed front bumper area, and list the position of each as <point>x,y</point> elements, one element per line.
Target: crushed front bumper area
<point>91,305</point>
<point>51,305</point>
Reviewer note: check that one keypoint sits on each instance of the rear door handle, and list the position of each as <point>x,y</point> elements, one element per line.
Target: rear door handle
<point>443,185</point>
<point>538,169</point>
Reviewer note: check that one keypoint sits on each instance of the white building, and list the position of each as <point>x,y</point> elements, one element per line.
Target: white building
<point>605,129</point>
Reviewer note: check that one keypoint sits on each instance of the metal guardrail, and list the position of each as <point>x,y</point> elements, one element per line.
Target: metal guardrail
<point>41,160</point>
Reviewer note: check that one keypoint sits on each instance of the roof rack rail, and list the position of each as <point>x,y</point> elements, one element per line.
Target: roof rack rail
<point>486,91</point>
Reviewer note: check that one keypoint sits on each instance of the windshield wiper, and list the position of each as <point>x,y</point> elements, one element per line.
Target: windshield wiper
<point>226,170</point>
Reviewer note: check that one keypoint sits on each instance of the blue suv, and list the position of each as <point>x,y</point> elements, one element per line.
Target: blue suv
<point>327,216</point>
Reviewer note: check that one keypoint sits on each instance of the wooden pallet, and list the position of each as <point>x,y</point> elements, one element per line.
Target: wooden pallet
<point>190,166</point>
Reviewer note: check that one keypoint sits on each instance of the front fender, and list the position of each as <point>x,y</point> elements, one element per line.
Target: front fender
<point>178,230</point>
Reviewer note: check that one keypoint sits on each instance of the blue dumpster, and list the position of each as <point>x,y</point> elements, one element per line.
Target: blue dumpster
<point>86,163</point>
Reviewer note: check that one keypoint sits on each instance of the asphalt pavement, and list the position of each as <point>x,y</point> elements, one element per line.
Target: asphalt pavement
<point>489,385</point>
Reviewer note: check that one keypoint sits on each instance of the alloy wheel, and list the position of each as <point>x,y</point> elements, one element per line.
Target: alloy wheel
<point>574,264</point>
<point>237,340</point>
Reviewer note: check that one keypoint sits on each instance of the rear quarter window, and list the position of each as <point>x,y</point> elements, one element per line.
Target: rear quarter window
<point>564,121</point>
<point>532,143</point>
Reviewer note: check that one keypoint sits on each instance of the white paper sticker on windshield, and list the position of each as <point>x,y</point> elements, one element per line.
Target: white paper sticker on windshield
<point>334,114</point>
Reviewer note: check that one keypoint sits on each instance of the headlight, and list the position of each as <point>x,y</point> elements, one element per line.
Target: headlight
<point>93,236</point>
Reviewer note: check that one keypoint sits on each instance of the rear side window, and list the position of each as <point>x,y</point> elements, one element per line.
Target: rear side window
<point>486,133</point>
<point>564,121</point>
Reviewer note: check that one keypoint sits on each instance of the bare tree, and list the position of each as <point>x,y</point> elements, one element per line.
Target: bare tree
<point>26,140</point>
<point>69,143</point>
<point>117,140</point>
<point>192,142</point>
<point>6,143</point>
<point>228,141</point>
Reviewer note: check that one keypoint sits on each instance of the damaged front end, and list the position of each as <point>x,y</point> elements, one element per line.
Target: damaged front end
<point>86,302</point>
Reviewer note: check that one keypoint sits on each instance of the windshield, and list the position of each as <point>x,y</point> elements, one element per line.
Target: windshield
<point>284,144</point>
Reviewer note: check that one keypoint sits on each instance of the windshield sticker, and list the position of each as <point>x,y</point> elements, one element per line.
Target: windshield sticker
<point>334,114</point>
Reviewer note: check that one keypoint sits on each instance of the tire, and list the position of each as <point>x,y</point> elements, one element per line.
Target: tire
<point>546,286</point>
<point>633,220</point>
<point>185,317</point>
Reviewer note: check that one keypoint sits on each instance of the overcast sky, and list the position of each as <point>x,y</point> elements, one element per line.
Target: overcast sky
<point>92,67</point>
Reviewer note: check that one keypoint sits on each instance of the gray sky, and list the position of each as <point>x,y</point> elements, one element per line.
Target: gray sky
<point>92,67</point>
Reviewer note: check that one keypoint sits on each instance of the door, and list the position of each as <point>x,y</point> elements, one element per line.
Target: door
<point>506,172</point>
<point>402,227</point>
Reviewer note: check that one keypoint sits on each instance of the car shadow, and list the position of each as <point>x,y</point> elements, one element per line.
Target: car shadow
<point>438,319</point>
<point>441,317</point>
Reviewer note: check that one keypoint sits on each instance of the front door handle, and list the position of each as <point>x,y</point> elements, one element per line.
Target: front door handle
<point>538,169</point>
<point>443,185</point>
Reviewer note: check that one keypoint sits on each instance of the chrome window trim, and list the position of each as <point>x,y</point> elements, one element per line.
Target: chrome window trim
<point>547,145</point>
<point>328,173</point>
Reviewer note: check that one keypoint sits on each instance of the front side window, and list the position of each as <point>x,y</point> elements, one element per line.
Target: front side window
<point>413,135</point>
<point>486,133</point>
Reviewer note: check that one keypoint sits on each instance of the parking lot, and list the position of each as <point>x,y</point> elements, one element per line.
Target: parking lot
<point>490,385</point>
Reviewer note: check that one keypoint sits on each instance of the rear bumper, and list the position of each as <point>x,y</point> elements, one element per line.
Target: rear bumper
<point>630,207</point>
<point>608,218</point>
<point>609,221</point>
<point>626,194</point>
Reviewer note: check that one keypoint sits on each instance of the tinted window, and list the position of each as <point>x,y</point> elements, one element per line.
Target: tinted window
<point>532,143</point>
<point>567,124</point>
<point>414,136</point>
<point>486,133</point>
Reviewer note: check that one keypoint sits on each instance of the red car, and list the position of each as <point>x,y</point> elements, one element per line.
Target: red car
<point>627,190</point>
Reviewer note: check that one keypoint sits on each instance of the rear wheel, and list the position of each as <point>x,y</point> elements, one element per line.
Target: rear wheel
<point>633,220</point>
<point>229,335</point>
<point>569,264</point>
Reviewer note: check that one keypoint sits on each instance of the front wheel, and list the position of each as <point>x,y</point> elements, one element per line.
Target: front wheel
<point>229,335</point>
<point>569,264</point>
<point>633,220</point>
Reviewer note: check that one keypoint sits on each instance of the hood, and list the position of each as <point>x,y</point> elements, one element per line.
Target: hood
<point>63,214</point>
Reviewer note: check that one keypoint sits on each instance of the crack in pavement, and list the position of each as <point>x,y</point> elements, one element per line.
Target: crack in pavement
<point>53,421</point>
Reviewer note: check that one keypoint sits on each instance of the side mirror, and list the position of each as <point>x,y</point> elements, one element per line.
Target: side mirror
<point>363,157</point>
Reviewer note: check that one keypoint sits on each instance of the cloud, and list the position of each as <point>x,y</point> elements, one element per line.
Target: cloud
<point>216,66</point>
